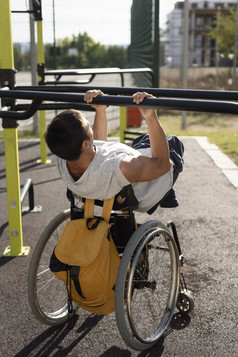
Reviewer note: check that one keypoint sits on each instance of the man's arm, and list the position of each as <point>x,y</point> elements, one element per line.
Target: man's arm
<point>144,168</point>
<point>100,120</point>
<point>100,124</point>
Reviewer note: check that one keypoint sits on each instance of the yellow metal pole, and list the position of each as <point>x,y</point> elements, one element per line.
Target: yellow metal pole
<point>123,112</point>
<point>42,115</point>
<point>16,247</point>
<point>11,140</point>
<point>6,53</point>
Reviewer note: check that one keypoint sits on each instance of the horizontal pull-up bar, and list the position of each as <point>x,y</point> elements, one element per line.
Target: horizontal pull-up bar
<point>124,101</point>
<point>57,106</point>
<point>113,70</point>
<point>93,72</point>
<point>157,92</point>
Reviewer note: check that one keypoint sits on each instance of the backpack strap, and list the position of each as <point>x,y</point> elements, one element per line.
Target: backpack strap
<point>107,208</point>
<point>106,212</point>
<point>88,208</point>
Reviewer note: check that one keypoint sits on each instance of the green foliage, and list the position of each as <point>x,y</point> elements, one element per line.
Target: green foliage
<point>116,56</point>
<point>223,31</point>
<point>227,142</point>
<point>221,129</point>
<point>82,51</point>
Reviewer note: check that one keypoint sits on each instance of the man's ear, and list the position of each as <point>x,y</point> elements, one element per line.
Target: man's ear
<point>84,145</point>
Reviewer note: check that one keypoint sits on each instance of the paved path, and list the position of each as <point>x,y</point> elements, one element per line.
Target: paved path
<point>208,228</point>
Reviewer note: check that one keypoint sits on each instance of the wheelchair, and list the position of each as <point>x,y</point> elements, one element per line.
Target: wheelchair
<point>149,286</point>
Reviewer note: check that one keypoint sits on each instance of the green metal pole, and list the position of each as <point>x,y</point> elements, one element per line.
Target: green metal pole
<point>10,139</point>
<point>122,123</point>
<point>42,115</point>
<point>156,43</point>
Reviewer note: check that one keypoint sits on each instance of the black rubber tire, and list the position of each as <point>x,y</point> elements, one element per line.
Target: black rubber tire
<point>47,295</point>
<point>154,292</point>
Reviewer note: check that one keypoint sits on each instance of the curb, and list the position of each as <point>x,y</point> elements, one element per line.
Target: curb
<point>229,169</point>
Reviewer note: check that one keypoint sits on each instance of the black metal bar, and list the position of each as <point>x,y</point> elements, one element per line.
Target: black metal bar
<point>57,106</point>
<point>175,104</point>
<point>37,9</point>
<point>28,187</point>
<point>132,132</point>
<point>158,92</point>
<point>30,111</point>
<point>122,80</point>
<point>22,12</point>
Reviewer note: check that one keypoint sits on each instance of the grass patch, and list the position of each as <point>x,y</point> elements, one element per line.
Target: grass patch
<point>227,142</point>
<point>221,130</point>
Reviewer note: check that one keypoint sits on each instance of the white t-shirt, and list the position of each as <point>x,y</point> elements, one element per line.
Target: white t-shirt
<point>104,179</point>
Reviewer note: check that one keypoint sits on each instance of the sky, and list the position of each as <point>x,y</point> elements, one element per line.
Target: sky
<point>106,21</point>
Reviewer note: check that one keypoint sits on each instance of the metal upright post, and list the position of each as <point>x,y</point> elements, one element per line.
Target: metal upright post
<point>41,69</point>
<point>7,77</point>
<point>235,51</point>
<point>123,123</point>
<point>156,44</point>
<point>33,63</point>
<point>185,55</point>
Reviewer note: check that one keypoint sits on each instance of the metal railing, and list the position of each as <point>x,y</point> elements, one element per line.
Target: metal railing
<point>28,188</point>
<point>93,72</point>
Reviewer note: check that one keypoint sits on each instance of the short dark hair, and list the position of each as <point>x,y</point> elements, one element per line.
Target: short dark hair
<point>65,134</point>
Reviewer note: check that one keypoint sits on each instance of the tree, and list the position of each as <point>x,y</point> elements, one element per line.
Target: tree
<point>79,51</point>
<point>223,32</point>
<point>116,56</point>
<point>82,51</point>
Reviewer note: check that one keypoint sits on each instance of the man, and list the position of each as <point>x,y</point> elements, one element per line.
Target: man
<point>94,168</point>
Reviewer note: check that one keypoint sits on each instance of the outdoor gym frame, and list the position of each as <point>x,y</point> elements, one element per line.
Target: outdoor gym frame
<point>68,96</point>
<point>75,100</point>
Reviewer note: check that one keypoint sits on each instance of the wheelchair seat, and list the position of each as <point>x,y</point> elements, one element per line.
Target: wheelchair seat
<point>124,200</point>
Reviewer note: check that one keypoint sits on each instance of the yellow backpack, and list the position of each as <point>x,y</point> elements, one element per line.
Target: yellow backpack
<point>86,259</point>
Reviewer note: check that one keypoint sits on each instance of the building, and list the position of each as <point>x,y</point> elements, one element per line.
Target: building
<point>201,49</point>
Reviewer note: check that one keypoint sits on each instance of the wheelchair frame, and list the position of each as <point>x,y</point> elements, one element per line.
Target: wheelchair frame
<point>149,282</point>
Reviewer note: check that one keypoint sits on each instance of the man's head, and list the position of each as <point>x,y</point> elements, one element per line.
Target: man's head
<point>66,133</point>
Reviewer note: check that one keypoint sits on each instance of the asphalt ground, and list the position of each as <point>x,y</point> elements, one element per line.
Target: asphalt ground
<point>208,228</point>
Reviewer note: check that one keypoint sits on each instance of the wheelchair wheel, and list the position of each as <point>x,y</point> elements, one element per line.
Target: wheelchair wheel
<point>147,285</point>
<point>47,295</point>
